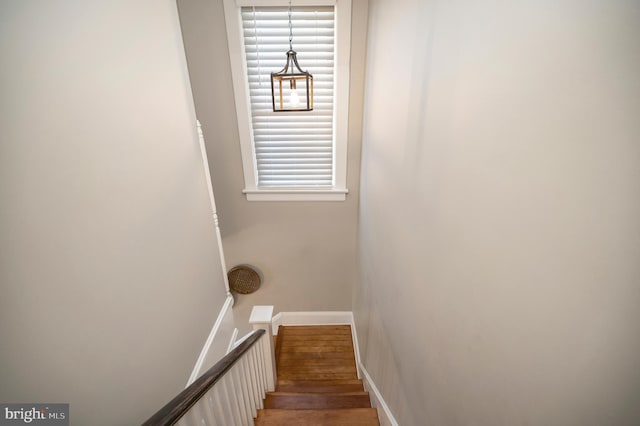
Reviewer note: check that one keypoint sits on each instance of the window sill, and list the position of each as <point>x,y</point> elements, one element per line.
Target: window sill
<point>278,194</point>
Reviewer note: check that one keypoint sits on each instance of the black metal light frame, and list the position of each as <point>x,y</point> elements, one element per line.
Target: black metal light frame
<point>291,74</point>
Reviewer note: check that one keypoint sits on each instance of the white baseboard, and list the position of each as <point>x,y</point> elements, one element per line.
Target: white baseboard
<point>214,336</point>
<point>312,318</point>
<point>385,416</point>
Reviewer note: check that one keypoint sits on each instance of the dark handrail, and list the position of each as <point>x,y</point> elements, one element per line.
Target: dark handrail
<point>178,406</point>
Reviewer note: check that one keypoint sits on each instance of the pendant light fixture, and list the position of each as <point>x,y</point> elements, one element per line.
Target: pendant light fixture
<point>291,88</point>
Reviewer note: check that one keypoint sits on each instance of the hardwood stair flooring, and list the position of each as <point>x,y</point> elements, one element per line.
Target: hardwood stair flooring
<point>317,380</point>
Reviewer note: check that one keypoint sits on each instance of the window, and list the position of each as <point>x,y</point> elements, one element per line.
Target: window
<point>291,155</point>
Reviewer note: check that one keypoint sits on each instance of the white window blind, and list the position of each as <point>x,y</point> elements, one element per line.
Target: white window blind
<point>292,149</point>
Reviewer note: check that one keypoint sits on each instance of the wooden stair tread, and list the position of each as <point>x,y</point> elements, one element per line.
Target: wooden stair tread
<point>319,364</point>
<point>317,355</point>
<point>318,342</point>
<point>342,417</point>
<point>316,348</point>
<point>307,401</point>
<point>315,352</point>
<point>319,386</point>
<point>331,368</point>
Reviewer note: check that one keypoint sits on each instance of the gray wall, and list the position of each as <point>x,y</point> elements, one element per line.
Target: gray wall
<point>500,212</point>
<point>305,250</point>
<point>110,278</point>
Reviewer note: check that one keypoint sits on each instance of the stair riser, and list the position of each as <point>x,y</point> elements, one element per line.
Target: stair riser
<point>344,417</point>
<point>320,388</point>
<point>317,402</point>
<point>317,386</point>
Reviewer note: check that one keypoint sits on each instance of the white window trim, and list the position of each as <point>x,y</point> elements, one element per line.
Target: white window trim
<point>341,110</point>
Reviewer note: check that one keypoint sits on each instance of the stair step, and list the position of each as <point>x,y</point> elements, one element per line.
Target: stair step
<point>316,362</point>
<point>292,356</point>
<point>342,417</point>
<point>315,353</point>
<point>316,401</point>
<point>318,386</point>
<point>314,375</point>
<point>313,347</point>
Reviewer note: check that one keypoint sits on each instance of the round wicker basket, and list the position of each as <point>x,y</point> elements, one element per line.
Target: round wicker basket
<point>243,279</point>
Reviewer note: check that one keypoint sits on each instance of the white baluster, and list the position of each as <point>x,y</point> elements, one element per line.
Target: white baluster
<point>237,396</point>
<point>237,412</point>
<point>244,406</point>
<point>209,408</point>
<point>256,371</point>
<point>193,417</point>
<point>242,380</point>
<point>221,412</point>
<point>251,396</point>
<point>230,402</point>
<point>263,374</point>
<point>255,380</point>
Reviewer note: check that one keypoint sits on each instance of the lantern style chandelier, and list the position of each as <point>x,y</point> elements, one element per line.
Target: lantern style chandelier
<point>291,88</point>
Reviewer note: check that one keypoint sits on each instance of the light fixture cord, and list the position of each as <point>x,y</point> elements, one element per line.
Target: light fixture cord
<point>255,35</point>
<point>290,29</point>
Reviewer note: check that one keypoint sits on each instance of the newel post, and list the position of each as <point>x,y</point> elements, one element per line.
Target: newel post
<point>261,320</point>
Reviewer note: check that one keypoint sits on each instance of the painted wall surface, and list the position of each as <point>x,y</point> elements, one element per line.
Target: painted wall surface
<point>306,251</point>
<point>500,212</point>
<point>110,276</point>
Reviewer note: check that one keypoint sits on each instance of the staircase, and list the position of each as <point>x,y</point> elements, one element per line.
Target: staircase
<point>317,380</point>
